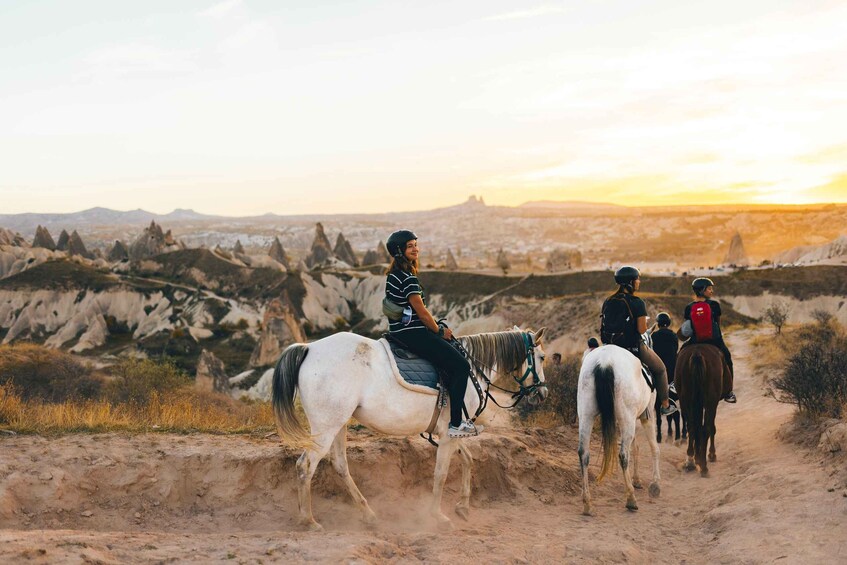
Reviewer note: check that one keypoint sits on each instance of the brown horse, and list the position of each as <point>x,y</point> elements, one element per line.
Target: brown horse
<point>701,379</point>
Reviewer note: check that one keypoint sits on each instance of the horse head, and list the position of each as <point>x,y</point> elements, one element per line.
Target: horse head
<point>536,389</point>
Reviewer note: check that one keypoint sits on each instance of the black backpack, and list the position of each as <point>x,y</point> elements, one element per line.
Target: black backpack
<point>617,324</point>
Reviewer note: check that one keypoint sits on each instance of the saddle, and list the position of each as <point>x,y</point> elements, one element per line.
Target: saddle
<point>645,372</point>
<point>411,371</point>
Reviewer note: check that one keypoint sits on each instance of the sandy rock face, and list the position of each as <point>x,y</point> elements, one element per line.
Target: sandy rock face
<point>281,328</point>
<point>736,254</point>
<point>211,374</point>
<point>8,237</point>
<point>834,439</point>
<point>321,253</point>
<point>43,239</point>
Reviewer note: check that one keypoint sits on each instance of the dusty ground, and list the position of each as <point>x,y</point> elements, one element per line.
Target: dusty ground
<point>158,498</point>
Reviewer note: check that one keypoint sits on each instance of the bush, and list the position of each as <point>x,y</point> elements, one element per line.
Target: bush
<point>136,380</point>
<point>46,374</point>
<point>815,378</point>
<point>560,405</point>
<point>776,314</point>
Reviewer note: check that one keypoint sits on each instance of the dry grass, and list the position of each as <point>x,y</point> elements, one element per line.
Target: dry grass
<point>184,411</point>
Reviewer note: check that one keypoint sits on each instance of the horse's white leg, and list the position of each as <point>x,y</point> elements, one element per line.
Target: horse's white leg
<point>636,479</point>
<point>339,462</point>
<point>446,447</point>
<point>627,428</point>
<point>654,489</point>
<point>463,507</point>
<point>306,467</point>
<point>585,425</point>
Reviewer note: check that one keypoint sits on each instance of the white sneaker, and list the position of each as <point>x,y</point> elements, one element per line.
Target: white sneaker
<point>465,429</point>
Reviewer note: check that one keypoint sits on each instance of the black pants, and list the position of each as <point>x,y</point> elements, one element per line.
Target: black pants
<point>444,356</point>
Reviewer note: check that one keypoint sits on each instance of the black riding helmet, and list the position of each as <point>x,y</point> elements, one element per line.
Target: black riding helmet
<point>396,244</point>
<point>699,285</point>
<point>663,319</point>
<point>627,275</point>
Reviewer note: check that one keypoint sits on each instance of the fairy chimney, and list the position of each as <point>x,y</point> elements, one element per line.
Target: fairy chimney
<point>280,328</point>
<point>118,252</point>
<point>451,264</point>
<point>277,253</point>
<point>736,254</point>
<point>321,252</point>
<point>152,241</point>
<point>43,239</point>
<point>344,251</point>
<point>62,244</point>
<point>77,247</point>
<point>211,374</point>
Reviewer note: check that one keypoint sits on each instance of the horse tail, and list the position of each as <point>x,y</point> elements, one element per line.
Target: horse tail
<point>604,392</point>
<point>284,386</point>
<point>698,380</point>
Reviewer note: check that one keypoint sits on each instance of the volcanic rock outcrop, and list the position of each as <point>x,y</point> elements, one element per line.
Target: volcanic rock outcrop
<point>152,241</point>
<point>62,244</point>
<point>211,374</point>
<point>238,247</point>
<point>77,247</point>
<point>277,253</point>
<point>280,329</point>
<point>119,252</point>
<point>377,256</point>
<point>43,239</point>
<point>8,237</point>
<point>321,253</point>
<point>451,264</point>
<point>736,254</point>
<point>563,260</point>
<point>344,251</point>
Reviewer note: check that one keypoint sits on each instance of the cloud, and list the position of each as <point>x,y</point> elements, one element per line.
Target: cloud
<point>138,58</point>
<point>221,9</point>
<point>543,10</point>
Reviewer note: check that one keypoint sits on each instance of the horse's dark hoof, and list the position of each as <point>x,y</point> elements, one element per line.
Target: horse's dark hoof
<point>704,474</point>
<point>632,506</point>
<point>713,457</point>
<point>688,466</point>
<point>655,490</point>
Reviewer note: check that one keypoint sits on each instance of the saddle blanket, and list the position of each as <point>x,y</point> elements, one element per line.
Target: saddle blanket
<point>645,372</point>
<point>411,371</point>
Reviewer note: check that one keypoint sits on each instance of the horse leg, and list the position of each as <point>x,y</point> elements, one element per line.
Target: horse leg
<point>708,435</point>
<point>654,489</point>
<point>689,462</point>
<point>306,467</point>
<point>636,480</point>
<point>627,436</point>
<point>464,505</point>
<point>585,425</point>
<point>446,447</point>
<point>339,462</point>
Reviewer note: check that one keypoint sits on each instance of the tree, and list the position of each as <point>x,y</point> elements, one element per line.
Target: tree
<point>503,262</point>
<point>776,314</point>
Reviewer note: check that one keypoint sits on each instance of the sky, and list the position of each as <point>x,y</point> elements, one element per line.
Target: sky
<point>243,107</point>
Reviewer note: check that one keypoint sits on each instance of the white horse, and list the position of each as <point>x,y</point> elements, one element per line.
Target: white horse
<point>347,375</point>
<point>611,385</point>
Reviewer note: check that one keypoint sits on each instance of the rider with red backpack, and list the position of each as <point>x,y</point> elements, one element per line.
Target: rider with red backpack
<point>623,320</point>
<point>704,315</point>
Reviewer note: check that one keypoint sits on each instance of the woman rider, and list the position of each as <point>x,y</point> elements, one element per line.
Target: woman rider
<point>418,330</point>
<point>704,290</point>
<point>629,281</point>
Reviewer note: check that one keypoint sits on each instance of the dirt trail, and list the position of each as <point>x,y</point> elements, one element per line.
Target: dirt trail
<point>158,498</point>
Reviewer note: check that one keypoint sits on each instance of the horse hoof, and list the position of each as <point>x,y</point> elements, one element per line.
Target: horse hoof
<point>713,457</point>
<point>655,490</point>
<point>688,466</point>
<point>704,474</point>
<point>632,506</point>
<point>370,521</point>
<point>463,512</point>
<point>313,526</point>
<point>587,511</point>
<point>637,484</point>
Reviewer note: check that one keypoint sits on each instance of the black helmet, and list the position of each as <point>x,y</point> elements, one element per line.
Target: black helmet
<point>663,319</point>
<point>701,284</point>
<point>397,241</point>
<point>592,343</point>
<point>626,275</point>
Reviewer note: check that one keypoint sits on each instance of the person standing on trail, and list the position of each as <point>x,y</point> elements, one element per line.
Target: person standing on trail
<point>418,331</point>
<point>703,325</point>
<point>666,344</point>
<point>624,320</point>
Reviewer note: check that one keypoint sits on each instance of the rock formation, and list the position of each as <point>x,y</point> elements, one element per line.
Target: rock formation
<point>238,247</point>
<point>118,252</point>
<point>564,260</point>
<point>377,256</point>
<point>736,254</point>
<point>451,264</point>
<point>277,253</point>
<point>8,237</point>
<point>211,374</point>
<point>43,239</point>
<point>153,241</point>
<point>503,261</point>
<point>281,328</point>
<point>77,247</point>
<point>321,253</point>
<point>62,244</point>
<point>344,251</point>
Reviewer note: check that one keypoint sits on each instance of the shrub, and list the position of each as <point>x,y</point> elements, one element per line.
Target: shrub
<point>776,314</point>
<point>815,378</point>
<point>560,405</point>
<point>46,374</point>
<point>136,380</point>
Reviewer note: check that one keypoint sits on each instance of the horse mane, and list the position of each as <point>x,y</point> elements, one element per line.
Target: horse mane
<point>505,350</point>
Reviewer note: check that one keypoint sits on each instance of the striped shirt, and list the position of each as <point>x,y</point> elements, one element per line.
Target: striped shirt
<point>399,286</point>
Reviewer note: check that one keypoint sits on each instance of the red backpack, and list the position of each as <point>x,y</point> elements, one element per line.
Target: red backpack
<point>701,320</point>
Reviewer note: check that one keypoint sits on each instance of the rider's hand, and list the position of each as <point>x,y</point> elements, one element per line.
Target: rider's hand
<point>448,334</point>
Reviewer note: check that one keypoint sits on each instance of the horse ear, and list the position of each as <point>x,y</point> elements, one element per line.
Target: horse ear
<point>539,335</point>
<point>516,328</point>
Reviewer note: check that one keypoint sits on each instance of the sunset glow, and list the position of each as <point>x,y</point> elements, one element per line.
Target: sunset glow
<point>244,107</point>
